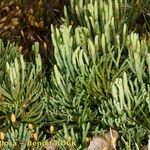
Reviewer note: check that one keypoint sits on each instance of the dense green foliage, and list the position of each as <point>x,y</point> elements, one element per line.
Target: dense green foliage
<point>100,80</point>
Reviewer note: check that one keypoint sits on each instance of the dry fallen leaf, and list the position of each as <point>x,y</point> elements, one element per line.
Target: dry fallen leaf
<point>106,142</point>
<point>112,137</point>
<point>98,143</point>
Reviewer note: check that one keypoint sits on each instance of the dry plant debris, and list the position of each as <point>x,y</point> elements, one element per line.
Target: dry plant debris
<point>106,142</point>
